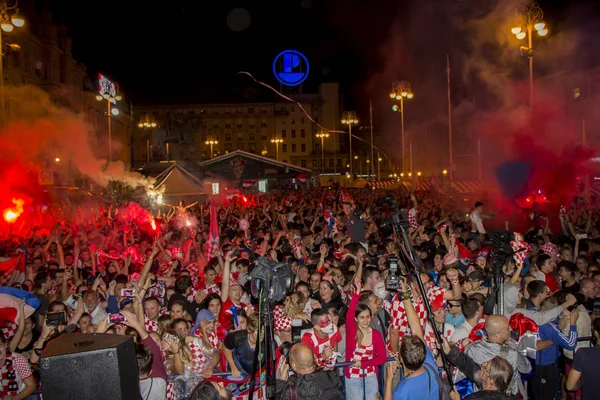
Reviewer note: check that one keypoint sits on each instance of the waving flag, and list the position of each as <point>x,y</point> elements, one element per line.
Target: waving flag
<point>213,235</point>
<point>10,298</point>
<point>12,269</point>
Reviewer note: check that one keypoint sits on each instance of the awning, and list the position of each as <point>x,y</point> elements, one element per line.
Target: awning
<point>470,186</point>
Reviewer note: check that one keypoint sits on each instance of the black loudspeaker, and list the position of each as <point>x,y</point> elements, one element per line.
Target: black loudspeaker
<point>90,366</point>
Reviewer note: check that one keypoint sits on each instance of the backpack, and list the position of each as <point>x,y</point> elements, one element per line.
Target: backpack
<point>443,386</point>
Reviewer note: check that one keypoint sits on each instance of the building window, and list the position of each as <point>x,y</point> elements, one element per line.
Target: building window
<point>285,161</point>
<point>227,137</point>
<point>215,126</point>
<point>303,147</point>
<point>293,121</point>
<point>284,133</point>
<point>203,138</point>
<point>317,147</point>
<point>284,148</point>
<point>303,163</point>
<point>203,124</point>
<point>239,126</point>
<point>331,162</point>
<point>251,126</point>
<point>301,120</point>
<point>240,146</point>
<point>293,134</point>
<point>314,163</point>
<point>339,162</point>
<point>252,136</point>
<point>293,147</point>
<point>227,125</point>
<point>263,137</point>
<point>302,133</point>
<point>263,124</point>
<point>250,110</point>
<point>228,147</point>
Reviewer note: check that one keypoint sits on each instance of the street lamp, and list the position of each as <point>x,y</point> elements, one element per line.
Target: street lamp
<point>379,160</point>
<point>211,143</point>
<point>322,135</point>
<point>349,118</point>
<point>9,18</point>
<point>277,141</point>
<point>107,91</point>
<point>401,90</point>
<point>146,122</point>
<point>531,19</point>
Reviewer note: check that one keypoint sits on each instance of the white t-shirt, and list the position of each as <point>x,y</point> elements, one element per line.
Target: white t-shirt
<point>153,389</point>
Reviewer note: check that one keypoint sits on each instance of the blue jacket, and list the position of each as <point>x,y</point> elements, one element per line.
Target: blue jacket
<point>552,332</point>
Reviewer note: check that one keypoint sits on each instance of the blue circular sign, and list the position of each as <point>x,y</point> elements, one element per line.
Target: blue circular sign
<point>290,68</point>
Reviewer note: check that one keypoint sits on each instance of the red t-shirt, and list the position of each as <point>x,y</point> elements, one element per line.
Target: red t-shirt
<point>551,283</point>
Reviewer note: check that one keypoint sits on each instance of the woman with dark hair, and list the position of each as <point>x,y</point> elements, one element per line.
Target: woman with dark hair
<point>330,296</point>
<point>207,390</point>
<point>213,303</point>
<point>364,347</point>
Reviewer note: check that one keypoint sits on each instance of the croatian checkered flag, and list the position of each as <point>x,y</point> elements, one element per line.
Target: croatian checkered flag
<point>517,244</point>
<point>213,235</point>
<point>412,218</point>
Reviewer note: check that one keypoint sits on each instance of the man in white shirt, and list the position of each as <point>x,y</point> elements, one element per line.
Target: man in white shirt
<point>91,302</point>
<point>472,310</point>
<point>476,218</point>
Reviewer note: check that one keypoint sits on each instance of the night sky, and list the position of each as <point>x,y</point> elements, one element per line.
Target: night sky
<point>156,49</point>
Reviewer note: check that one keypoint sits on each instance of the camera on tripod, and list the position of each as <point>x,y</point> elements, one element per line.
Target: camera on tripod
<point>392,282</point>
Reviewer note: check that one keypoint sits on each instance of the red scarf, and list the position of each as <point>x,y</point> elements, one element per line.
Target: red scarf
<point>10,385</point>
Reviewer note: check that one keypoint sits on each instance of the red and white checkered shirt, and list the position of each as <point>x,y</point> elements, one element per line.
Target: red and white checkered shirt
<point>151,326</point>
<point>214,288</point>
<point>398,318</point>
<point>431,341</point>
<point>362,353</point>
<point>279,311</point>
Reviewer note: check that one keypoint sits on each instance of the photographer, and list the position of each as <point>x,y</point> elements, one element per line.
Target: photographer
<point>493,376</point>
<point>307,382</point>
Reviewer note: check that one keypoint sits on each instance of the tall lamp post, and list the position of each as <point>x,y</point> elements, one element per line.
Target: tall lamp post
<point>212,142</point>
<point>107,91</point>
<point>7,23</point>
<point>531,20</point>
<point>277,141</point>
<point>322,136</point>
<point>401,90</point>
<point>349,118</point>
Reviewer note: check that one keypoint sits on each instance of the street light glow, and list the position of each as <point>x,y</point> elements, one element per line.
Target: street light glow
<point>521,35</point>
<point>114,111</point>
<point>543,32</point>
<point>7,26</point>
<point>17,20</point>
<point>539,26</point>
<point>516,30</point>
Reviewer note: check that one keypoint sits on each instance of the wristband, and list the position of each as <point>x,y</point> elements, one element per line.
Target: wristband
<point>454,282</point>
<point>404,296</point>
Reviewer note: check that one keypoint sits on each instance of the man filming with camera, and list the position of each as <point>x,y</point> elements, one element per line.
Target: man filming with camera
<point>307,382</point>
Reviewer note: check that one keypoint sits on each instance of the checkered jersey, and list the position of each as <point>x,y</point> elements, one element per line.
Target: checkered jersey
<point>362,353</point>
<point>398,318</point>
<point>199,358</point>
<point>431,341</point>
<point>170,391</point>
<point>278,312</point>
<point>151,326</point>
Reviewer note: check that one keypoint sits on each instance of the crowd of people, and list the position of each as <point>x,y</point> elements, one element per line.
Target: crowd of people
<point>182,290</point>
